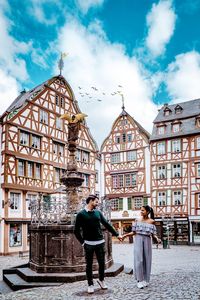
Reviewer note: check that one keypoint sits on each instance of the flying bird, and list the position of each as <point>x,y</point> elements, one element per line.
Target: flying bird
<point>80,88</point>
<point>120,86</point>
<point>94,88</point>
<point>99,100</point>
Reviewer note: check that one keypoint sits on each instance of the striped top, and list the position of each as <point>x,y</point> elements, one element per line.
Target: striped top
<point>144,228</point>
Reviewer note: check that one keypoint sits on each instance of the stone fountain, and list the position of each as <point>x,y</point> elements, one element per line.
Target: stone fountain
<point>55,253</point>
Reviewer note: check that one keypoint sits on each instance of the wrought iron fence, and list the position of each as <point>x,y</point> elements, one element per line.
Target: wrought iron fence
<point>54,210</point>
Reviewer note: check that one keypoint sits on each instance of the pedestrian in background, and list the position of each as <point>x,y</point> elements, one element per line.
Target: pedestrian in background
<point>143,230</point>
<point>89,233</point>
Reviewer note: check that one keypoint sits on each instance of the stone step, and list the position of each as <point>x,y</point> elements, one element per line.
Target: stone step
<point>29,275</point>
<point>15,282</point>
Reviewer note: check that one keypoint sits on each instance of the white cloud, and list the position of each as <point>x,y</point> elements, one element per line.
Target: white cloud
<point>183,77</point>
<point>94,61</point>
<point>85,5</point>
<point>8,90</point>
<point>161,24</point>
<point>9,51</point>
<point>38,10</point>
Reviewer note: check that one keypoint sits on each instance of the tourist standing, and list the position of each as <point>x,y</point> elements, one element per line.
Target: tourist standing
<point>143,230</point>
<point>89,233</point>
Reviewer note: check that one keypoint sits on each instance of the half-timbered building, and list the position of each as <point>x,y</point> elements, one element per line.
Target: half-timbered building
<point>34,155</point>
<point>175,171</point>
<point>126,169</point>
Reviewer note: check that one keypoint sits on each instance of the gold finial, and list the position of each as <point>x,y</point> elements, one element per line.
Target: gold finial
<point>61,62</point>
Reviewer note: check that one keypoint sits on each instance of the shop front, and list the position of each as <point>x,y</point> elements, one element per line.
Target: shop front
<point>175,230</point>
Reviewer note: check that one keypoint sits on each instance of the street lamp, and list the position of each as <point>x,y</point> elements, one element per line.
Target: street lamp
<point>167,227</point>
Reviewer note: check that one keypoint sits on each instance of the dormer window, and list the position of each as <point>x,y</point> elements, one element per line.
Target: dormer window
<point>167,111</point>
<point>197,121</point>
<point>161,129</point>
<point>176,127</point>
<point>178,109</point>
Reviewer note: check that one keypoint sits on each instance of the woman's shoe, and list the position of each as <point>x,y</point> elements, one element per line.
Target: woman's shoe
<point>140,285</point>
<point>145,283</point>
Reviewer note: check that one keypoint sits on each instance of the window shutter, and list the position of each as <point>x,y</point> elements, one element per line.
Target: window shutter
<point>145,201</point>
<point>129,204</point>
<point>120,203</point>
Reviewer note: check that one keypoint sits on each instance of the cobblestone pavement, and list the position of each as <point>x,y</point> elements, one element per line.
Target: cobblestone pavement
<point>175,275</point>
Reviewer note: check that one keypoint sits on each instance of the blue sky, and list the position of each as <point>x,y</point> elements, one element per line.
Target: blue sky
<point>151,49</point>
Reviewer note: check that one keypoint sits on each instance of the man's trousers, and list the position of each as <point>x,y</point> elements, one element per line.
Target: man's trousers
<point>99,250</point>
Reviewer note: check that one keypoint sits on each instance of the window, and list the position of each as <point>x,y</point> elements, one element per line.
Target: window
<point>21,168</point>
<point>176,170</point>
<point>133,179</point>
<point>15,235</point>
<point>178,109</point>
<point>138,202</point>
<point>96,177</point>
<point>177,197</point>
<point>43,117</point>
<point>58,149</point>
<point>121,180</point>
<point>35,141</point>
<point>162,198</point>
<point>30,169</point>
<point>38,171</point>
<point>176,145</point>
<point>24,138</point>
<point>131,155</point>
<point>161,148</point>
<point>117,204</point>
<point>161,130</point>
<point>167,112</point>
<point>31,198</point>
<point>86,180</point>
<point>198,200</point>
<point>114,181</point>
<point>129,137</point>
<point>115,158</point>
<point>198,169</point>
<point>85,156</point>
<point>117,139</point>
<point>176,127</point>
<point>161,172</point>
<point>58,123</point>
<point>123,137</point>
<point>57,175</point>
<point>198,142</point>
<point>124,122</point>
<point>128,180</point>
<point>78,154</point>
<point>62,102</point>
<point>198,122</point>
<point>15,199</point>
<point>57,100</point>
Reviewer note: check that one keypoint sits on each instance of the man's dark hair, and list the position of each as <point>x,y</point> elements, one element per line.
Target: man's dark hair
<point>91,197</point>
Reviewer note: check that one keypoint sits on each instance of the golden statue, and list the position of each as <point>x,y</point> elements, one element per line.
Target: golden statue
<point>73,125</point>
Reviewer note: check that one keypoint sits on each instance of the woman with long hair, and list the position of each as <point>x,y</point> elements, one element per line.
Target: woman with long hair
<point>143,231</point>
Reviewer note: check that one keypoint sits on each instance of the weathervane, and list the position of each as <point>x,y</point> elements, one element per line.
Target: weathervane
<point>61,62</point>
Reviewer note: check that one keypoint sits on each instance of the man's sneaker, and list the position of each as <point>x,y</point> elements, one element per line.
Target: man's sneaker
<point>90,289</point>
<point>145,284</point>
<point>102,284</point>
<point>140,285</point>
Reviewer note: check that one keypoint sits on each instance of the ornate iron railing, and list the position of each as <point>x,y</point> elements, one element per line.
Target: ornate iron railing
<point>55,211</point>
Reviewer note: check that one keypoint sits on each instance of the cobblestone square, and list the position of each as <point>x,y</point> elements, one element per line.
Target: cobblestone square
<point>175,275</point>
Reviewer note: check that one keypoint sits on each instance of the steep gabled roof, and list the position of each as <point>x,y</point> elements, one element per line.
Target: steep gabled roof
<point>124,113</point>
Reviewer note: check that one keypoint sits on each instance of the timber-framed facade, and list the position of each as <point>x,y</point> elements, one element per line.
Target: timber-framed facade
<point>175,171</point>
<point>126,167</point>
<point>34,155</point>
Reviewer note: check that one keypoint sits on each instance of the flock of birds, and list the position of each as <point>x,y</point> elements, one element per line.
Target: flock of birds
<point>89,96</point>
